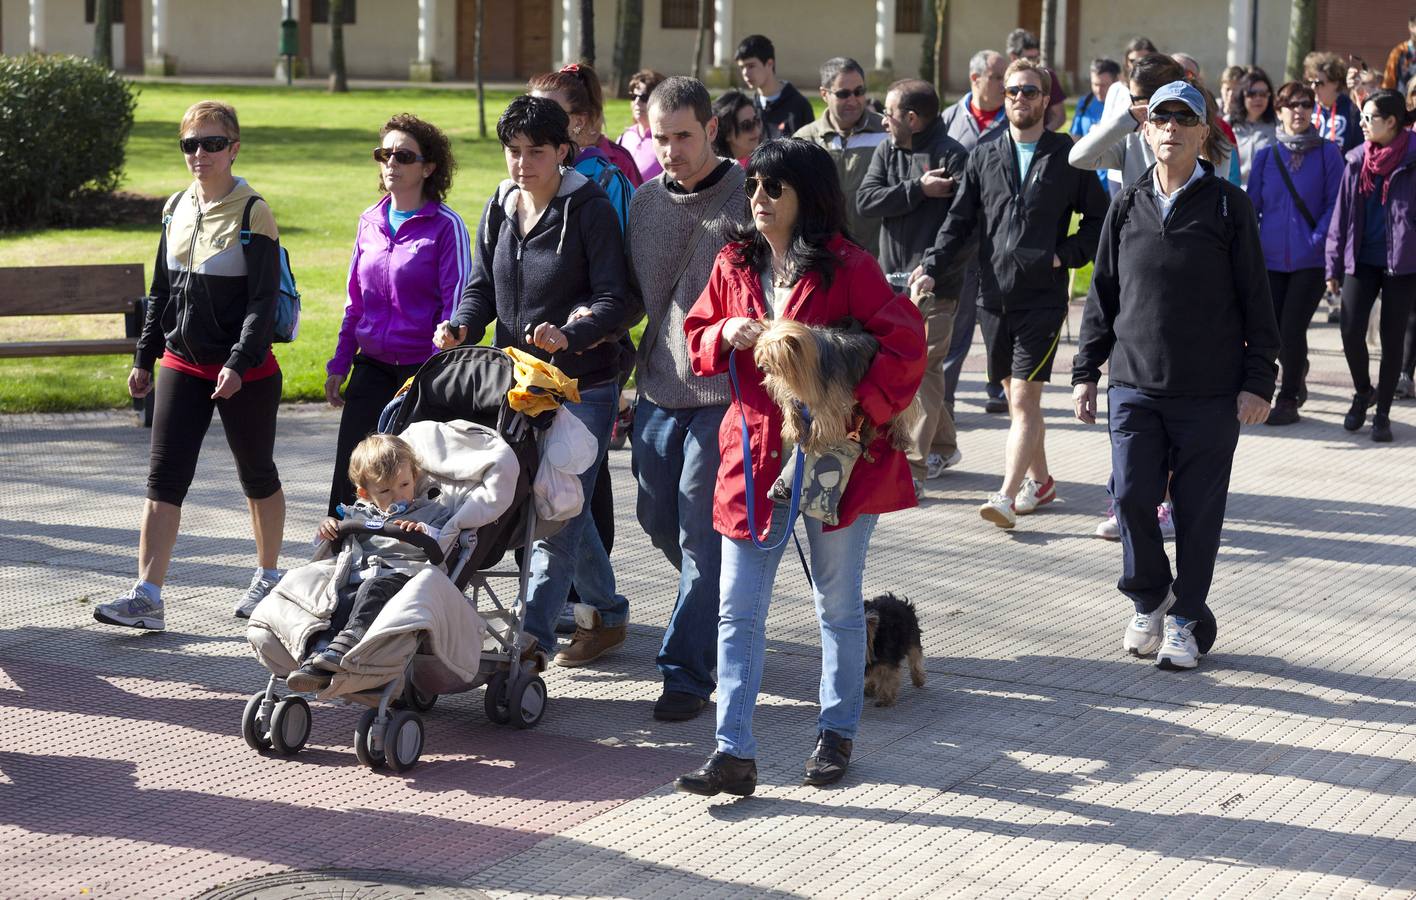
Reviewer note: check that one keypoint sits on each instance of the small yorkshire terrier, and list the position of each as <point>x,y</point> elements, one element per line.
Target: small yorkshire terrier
<point>892,637</point>
<point>820,367</point>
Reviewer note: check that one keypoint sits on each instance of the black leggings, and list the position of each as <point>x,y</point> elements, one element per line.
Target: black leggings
<point>1295,297</point>
<point>1408,362</point>
<point>1359,294</point>
<point>182,408</point>
<point>371,385</point>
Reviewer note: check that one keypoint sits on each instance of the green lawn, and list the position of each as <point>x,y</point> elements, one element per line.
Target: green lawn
<point>307,152</point>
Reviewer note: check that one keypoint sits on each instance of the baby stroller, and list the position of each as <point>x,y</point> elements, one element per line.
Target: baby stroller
<point>465,384</point>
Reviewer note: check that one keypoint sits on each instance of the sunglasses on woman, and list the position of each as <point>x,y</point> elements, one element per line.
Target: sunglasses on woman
<point>772,187</point>
<point>1029,91</point>
<point>642,97</point>
<point>213,144</point>
<point>1300,104</point>
<point>749,125</point>
<point>403,156</point>
<point>1184,119</point>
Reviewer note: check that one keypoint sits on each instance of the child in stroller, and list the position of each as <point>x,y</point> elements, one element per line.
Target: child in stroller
<point>386,473</point>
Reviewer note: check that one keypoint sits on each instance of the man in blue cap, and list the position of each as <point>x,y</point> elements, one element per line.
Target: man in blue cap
<point>1179,305</point>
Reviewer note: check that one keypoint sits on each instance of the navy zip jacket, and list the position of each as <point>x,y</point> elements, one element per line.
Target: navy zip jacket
<point>573,257</point>
<point>1180,305</point>
<point>1021,220</point>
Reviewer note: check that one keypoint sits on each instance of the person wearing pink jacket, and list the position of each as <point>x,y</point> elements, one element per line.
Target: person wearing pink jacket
<point>412,258</point>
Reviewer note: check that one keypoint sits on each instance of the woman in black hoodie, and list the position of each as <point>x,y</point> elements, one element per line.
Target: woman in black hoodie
<point>549,268</point>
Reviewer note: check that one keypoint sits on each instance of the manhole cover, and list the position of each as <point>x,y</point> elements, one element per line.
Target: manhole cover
<point>341,884</point>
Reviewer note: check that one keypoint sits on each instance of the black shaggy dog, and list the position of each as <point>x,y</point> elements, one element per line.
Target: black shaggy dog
<point>892,637</point>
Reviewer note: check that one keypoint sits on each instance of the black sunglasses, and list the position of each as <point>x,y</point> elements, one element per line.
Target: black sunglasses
<point>406,157</point>
<point>1300,104</point>
<point>1029,91</point>
<point>214,144</point>
<point>771,186</point>
<point>846,95</point>
<point>1256,93</point>
<point>1316,82</point>
<point>639,98</point>
<point>1186,119</point>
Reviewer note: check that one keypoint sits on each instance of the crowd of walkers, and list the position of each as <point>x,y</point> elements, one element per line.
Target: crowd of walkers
<point>1216,226</point>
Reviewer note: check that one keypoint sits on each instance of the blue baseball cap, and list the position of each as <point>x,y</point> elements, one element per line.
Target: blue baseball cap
<point>1182,91</point>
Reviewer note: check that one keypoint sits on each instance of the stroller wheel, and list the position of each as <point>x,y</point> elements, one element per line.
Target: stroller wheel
<point>368,740</point>
<point>495,700</point>
<point>527,701</point>
<point>290,725</point>
<point>254,728</point>
<point>403,740</point>
<point>415,699</point>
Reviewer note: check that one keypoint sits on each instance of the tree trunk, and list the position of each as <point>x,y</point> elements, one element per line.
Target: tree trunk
<point>629,37</point>
<point>700,43</point>
<point>477,71</point>
<point>587,32</point>
<point>338,76</point>
<point>103,33</point>
<point>927,64</point>
<point>941,43</point>
<point>1048,38</point>
<point>1302,34</point>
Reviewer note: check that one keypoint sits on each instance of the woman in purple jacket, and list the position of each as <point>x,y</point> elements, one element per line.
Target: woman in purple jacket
<point>1293,185</point>
<point>412,258</point>
<point>1372,241</point>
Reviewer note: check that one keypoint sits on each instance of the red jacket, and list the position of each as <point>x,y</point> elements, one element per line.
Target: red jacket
<point>858,291</point>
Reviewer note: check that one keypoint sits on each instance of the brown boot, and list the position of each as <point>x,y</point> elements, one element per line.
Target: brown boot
<point>592,639</point>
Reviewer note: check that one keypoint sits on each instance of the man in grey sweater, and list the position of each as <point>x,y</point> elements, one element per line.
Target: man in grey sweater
<point>677,224</point>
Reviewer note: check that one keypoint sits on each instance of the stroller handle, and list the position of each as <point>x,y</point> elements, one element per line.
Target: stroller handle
<point>418,539</point>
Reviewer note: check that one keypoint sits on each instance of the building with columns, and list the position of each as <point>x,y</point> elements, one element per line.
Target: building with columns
<point>422,39</point>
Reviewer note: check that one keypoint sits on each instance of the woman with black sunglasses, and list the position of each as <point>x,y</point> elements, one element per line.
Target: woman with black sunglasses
<point>1251,114</point>
<point>209,319</point>
<point>412,257</point>
<point>796,261</point>
<point>1293,186</point>
<point>739,126</point>
<point>638,139</point>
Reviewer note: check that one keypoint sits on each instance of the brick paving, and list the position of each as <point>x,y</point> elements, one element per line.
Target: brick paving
<point>1038,761</point>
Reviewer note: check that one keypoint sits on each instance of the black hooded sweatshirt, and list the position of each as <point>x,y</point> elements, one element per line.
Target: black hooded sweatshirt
<point>573,257</point>
<point>1180,304</point>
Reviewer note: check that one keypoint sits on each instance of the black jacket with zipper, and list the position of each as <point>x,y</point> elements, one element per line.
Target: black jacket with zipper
<point>573,257</point>
<point>1019,231</point>
<point>212,299</point>
<point>910,221</point>
<point>781,118</point>
<point>1180,305</point>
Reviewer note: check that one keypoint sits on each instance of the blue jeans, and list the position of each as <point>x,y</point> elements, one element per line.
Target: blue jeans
<point>837,566</point>
<point>676,463</point>
<point>575,552</point>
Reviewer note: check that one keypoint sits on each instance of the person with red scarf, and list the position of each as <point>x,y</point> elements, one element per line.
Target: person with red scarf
<point>1372,241</point>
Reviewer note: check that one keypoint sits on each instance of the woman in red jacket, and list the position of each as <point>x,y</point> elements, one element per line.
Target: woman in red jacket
<point>796,261</point>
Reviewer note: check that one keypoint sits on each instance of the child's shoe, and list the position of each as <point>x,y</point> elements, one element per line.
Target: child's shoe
<point>308,678</point>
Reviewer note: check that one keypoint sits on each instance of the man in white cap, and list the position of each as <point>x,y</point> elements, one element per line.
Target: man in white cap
<point>1179,305</point>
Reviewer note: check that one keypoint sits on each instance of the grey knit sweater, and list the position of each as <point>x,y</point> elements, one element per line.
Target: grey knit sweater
<point>661,224</point>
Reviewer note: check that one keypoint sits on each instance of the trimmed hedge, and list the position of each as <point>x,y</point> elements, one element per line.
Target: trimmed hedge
<point>64,124</point>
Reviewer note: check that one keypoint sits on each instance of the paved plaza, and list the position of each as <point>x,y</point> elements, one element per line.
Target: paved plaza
<point>1038,761</point>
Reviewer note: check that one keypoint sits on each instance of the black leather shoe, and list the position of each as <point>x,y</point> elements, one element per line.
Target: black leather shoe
<point>1381,428</point>
<point>723,773</point>
<point>829,761</point>
<point>677,706</point>
<point>1357,416</point>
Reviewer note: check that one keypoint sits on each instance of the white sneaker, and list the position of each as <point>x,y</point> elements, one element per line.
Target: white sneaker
<point>1165,515</point>
<point>1179,651</point>
<point>999,510</point>
<point>135,609</point>
<point>1144,633</point>
<point>260,587</point>
<point>936,465</point>
<point>1032,495</point>
<point>1109,529</point>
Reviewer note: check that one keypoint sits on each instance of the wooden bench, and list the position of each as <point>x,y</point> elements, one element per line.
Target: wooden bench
<point>76,290</point>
